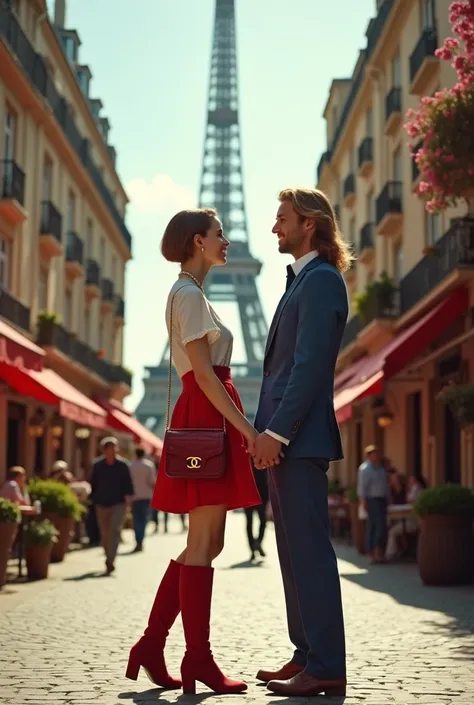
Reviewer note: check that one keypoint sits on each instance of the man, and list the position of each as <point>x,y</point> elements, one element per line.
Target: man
<point>143,478</point>
<point>373,489</point>
<point>298,437</point>
<point>15,489</point>
<point>111,492</point>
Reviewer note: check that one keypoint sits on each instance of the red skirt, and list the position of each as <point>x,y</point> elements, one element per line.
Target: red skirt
<point>236,488</point>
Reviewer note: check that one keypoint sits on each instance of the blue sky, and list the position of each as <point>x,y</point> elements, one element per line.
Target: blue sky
<point>150,62</point>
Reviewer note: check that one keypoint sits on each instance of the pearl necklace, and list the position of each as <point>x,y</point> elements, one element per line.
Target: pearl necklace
<point>196,281</point>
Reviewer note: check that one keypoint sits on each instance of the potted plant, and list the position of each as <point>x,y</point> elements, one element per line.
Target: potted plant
<point>358,526</point>
<point>445,553</point>
<point>377,300</point>
<point>460,399</point>
<point>10,517</point>
<point>61,506</point>
<point>443,123</point>
<point>47,322</point>
<point>40,537</point>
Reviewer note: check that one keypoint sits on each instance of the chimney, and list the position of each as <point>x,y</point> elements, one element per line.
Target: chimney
<point>60,13</point>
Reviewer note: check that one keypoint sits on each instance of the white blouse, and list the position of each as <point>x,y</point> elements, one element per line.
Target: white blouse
<point>194,318</point>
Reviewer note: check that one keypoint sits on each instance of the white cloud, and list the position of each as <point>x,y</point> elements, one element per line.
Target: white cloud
<point>161,193</point>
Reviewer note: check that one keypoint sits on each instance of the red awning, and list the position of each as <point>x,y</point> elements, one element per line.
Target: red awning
<point>17,351</point>
<point>398,353</point>
<point>48,387</point>
<point>122,421</point>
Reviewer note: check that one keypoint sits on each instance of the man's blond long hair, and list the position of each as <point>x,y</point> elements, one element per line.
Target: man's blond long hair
<point>327,238</point>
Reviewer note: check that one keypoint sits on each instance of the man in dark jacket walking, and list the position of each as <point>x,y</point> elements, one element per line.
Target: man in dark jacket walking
<point>112,492</point>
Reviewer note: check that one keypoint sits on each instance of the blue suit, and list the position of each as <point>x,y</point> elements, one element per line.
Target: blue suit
<point>296,402</point>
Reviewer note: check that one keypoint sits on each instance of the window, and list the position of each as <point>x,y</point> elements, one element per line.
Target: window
<point>9,134</point>
<point>5,250</point>
<point>43,289</point>
<point>369,123</point>
<point>47,178</point>
<point>427,14</point>
<point>397,165</point>
<point>71,211</point>
<point>396,72</point>
<point>70,48</point>
<point>68,309</point>
<point>433,228</point>
<point>89,238</point>
<point>398,261</point>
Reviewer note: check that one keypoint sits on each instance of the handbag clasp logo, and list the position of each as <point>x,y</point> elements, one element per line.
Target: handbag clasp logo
<point>193,462</point>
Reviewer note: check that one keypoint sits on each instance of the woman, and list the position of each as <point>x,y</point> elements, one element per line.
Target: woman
<point>202,348</point>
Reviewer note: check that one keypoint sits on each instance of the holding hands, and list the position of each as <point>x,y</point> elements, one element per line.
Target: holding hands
<point>263,449</point>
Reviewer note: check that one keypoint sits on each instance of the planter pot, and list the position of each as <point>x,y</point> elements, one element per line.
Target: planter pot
<point>65,526</point>
<point>445,552</point>
<point>8,531</point>
<point>357,529</point>
<point>38,559</point>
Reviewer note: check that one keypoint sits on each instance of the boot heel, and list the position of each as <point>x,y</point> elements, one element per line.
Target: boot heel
<point>133,668</point>
<point>189,686</point>
<point>339,690</point>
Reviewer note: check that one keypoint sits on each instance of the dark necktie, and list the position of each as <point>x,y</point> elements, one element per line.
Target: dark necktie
<point>290,276</point>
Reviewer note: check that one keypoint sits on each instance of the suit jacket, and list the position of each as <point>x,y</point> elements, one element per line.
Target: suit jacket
<point>296,398</point>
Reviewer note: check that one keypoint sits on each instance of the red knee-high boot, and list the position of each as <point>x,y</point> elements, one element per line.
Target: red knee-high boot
<point>148,652</point>
<point>195,594</point>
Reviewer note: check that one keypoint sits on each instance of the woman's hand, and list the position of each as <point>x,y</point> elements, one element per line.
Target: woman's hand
<point>250,435</point>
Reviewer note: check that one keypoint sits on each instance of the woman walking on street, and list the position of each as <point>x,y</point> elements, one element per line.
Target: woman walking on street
<point>201,349</point>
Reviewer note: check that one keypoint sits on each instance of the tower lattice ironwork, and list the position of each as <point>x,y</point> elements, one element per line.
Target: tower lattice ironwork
<point>222,188</point>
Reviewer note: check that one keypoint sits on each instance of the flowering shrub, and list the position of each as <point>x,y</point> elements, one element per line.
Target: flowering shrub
<point>443,125</point>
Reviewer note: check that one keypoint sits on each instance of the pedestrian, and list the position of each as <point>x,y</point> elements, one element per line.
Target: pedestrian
<point>255,544</point>
<point>296,418</point>
<point>143,474</point>
<point>201,349</point>
<point>111,492</point>
<point>374,493</point>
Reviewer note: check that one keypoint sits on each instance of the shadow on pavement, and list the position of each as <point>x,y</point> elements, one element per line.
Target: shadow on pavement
<point>246,564</point>
<point>86,576</point>
<point>403,584</point>
<point>155,695</point>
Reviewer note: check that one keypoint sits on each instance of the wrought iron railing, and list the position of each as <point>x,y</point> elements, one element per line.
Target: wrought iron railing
<point>13,181</point>
<point>74,248</point>
<point>366,149</point>
<point>14,311</point>
<point>426,46</point>
<point>393,102</point>
<point>92,273</point>
<point>50,220</point>
<point>389,200</point>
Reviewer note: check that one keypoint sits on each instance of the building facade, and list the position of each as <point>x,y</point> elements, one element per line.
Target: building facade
<point>411,331</point>
<point>64,247</point>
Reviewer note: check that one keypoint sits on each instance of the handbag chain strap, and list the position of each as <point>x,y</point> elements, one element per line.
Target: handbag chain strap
<point>170,375</point>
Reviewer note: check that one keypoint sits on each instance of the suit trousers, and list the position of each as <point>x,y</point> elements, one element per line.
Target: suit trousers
<point>299,497</point>
<point>110,520</point>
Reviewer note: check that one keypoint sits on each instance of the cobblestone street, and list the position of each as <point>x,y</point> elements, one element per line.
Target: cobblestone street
<point>65,640</point>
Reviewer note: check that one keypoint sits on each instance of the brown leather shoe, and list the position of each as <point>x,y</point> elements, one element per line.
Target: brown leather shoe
<point>287,671</point>
<point>304,684</point>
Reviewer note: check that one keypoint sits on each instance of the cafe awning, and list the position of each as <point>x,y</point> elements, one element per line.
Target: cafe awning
<point>368,379</point>
<point>17,351</point>
<point>121,420</point>
<point>47,387</point>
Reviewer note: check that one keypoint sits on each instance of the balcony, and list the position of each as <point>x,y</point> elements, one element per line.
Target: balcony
<point>34,66</point>
<point>393,111</point>
<point>323,162</point>
<point>50,230</point>
<point>451,262</point>
<point>13,311</point>
<point>52,335</point>
<point>423,62</point>
<point>366,244</point>
<point>389,209</point>
<point>119,309</point>
<point>12,192</point>
<point>107,289</point>
<point>93,283</point>
<point>366,157</point>
<point>74,255</point>
<point>349,191</point>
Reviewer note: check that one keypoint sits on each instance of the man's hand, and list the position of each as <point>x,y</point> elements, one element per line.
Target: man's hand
<point>266,451</point>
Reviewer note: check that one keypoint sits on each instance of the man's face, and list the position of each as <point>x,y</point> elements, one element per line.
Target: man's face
<point>374,457</point>
<point>110,452</point>
<point>292,233</point>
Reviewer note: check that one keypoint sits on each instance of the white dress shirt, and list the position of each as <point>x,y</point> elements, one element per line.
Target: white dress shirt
<point>298,266</point>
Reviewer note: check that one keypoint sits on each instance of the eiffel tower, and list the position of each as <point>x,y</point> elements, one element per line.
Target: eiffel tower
<point>222,188</point>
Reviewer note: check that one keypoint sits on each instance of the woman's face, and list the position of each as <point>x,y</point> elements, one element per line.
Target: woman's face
<point>215,244</point>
